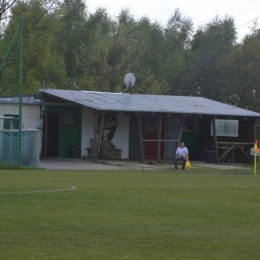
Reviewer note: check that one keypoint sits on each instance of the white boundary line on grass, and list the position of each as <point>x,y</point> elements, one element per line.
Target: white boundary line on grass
<point>169,187</point>
<point>33,191</point>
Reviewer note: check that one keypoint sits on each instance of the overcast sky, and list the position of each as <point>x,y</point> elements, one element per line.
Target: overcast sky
<point>200,11</point>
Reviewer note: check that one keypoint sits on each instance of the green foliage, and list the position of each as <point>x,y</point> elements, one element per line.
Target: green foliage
<point>114,51</point>
<point>208,46</point>
<point>148,84</point>
<point>240,72</point>
<point>72,33</point>
<point>66,47</point>
<point>40,27</point>
<point>9,55</point>
<point>153,39</point>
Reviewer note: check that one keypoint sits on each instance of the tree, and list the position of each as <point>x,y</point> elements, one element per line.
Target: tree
<point>240,74</point>
<point>41,25</point>
<point>152,36</point>
<point>72,33</point>
<point>5,5</point>
<point>202,75</point>
<point>176,50</point>
<point>116,49</point>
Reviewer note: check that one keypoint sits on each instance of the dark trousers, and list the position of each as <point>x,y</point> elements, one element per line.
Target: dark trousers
<point>184,160</point>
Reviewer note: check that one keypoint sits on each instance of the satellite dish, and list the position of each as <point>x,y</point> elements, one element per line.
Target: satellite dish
<point>129,80</point>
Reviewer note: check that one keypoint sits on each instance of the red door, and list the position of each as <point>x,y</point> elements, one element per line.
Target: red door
<point>151,146</point>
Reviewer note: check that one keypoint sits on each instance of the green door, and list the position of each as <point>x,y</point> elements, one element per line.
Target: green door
<point>68,128</point>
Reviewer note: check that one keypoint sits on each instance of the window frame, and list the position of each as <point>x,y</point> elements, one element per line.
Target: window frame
<point>8,121</point>
<point>68,118</point>
<point>224,127</point>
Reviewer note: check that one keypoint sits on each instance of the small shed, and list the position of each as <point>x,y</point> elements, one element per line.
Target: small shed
<point>31,130</point>
<point>148,126</point>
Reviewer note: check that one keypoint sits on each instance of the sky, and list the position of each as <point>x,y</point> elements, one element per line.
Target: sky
<point>200,11</point>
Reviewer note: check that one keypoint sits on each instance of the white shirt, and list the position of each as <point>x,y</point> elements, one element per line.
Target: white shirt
<point>182,152</point>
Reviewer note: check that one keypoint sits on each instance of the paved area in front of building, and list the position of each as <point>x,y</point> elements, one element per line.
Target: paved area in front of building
<point>83,164</point>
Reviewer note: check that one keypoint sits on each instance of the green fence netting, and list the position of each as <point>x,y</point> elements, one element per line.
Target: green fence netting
<point>18,146</point>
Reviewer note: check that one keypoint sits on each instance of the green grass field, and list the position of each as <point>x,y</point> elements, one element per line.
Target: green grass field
<point>197,214</point>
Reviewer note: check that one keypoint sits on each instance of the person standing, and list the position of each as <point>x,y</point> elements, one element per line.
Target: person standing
<point>181,155</point>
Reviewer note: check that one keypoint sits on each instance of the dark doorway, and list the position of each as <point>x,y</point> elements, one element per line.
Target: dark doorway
<point>51,134</point>
<point>134,145</point>
<point>172,133</point>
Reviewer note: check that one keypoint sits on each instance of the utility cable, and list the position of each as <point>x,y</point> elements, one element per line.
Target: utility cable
<point>247,11</point>
<point>208,58</point>
<point>248,22</point>
<point>227,11</point>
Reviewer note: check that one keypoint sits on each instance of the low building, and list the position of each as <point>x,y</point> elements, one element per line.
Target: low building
<point>76,123</point>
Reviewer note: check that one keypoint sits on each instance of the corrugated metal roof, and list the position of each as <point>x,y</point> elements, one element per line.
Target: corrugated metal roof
<point>30,100</point>
<point>149,103</point>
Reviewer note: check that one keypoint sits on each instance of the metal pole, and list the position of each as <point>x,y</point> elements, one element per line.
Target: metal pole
<point>20,92</point>
<point>140,139</point>
<point>100,135</point>
<point>215,139</point>
<point>95,137</point>
<point>159,140</point>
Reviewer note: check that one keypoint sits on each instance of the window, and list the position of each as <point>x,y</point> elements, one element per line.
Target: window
<point>12,122</point>
<point>226,128</point>
<point>188,124</point>
<point>68,118</point>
